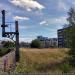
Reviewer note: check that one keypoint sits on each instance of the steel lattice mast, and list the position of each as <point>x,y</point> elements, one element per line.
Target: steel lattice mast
<point>10,34</point>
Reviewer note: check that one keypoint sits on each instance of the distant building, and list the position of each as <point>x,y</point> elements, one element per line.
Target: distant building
<point>48,42</point>
<point>25,44</point>
<point>61,38</point>
<point>54,42</point>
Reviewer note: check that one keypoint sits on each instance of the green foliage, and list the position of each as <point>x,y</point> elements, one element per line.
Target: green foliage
<point>4,51</point>
<point>7,47</point>
<point>8,44</point>
<point>36,44</point>
<point>70,35</point>
<point>65,67</point>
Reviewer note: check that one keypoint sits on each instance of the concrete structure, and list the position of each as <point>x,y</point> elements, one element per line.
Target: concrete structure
<point>25,44</point>
<point>7,62</point>
<point>54,42</point>
<point>61,38</point>
<point>48,42</point>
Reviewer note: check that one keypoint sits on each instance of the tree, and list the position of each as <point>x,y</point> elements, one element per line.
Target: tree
<point>8,44</point>
<point>70,35</point>
<point>36,44</point>
<point>7,47</point>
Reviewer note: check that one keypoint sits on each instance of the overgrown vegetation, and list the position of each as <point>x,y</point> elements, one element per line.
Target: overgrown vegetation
<point>70,38</point>
<point>36,44</point>
<point>7,47</point>
<point>4,51</point>
<point>45,60</point>
<point>8,44</point>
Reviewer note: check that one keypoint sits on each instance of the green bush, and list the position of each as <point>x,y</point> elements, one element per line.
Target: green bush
<point>65,67</point>
<point>70,36</point>
<point>8,44</point>
<point>36,44</point>
<point>4,51</point>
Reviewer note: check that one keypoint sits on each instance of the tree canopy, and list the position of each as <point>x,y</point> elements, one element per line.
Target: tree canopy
<point>70,35</point>
<point>36,44</point>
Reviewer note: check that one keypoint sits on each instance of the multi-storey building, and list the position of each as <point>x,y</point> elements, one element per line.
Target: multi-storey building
<point>54,42</point>
<point>61,38</point>
<point>62,35</point>
<point>24,44</point>
<point>48,42</point>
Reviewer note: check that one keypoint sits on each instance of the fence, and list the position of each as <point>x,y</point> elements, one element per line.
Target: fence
<point>7,62</point>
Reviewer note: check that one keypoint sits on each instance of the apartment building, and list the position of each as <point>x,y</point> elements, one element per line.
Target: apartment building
<point>60,38</point>
<point>48,42</point>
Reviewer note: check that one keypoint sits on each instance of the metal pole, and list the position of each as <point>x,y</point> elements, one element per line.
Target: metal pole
<point>4,34</point>
<point>17,41</point>
<point>3,23</point>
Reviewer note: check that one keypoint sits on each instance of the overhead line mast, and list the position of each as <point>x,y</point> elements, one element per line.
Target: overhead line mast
<point>10,34</point>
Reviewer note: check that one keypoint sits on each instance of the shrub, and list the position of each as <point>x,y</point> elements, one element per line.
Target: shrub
<point>36,44</point>
<point>65,67</point>
<point>8,44</point>
<point>4,51</point>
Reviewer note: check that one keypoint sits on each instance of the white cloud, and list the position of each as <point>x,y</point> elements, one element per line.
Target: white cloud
<point>62,5</point>
<point>28,4</point>
<point>28,39</point>
<point>1,6</point>
<point>73,2</point>
<point>43,23</point>
<point>20,18</point>
<point>59,20</point>
<point>54,21</point>
<point>28,9</point>
<point>26,27</point>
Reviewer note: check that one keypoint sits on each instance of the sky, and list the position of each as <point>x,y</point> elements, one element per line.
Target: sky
<point>36,17</point>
